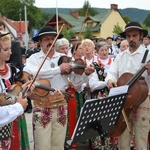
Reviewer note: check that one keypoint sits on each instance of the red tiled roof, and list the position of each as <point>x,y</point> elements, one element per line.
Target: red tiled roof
<point>15,24</point>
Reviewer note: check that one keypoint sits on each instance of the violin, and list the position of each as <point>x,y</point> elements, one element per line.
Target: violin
<point>77,66</point>
<point>42,86</point>
<point>137,93</point>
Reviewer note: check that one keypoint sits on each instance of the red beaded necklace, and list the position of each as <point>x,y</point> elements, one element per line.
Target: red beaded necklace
<point>4,71</point>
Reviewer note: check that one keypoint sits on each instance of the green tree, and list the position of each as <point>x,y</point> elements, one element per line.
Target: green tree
<point>35,16</point>
<point>147,20</point>
<point>87,9</point>
<point>145,27</point>
<point>68,33</point>
<point>87,34</point>
<point>117,29</point>
<point>126,18</point>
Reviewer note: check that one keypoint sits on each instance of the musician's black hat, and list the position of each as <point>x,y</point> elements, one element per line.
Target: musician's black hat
<point>46,30</point>
<point>148,36</point>
<point>133,26</point>
<point>3,34</point>
<point>73,38</point>
<point>109,38</point>
<point>94,38</point>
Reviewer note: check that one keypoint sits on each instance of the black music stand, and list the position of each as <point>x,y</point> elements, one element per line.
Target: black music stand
<point>98,117</point>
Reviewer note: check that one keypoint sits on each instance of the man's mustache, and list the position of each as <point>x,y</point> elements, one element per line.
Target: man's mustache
<point>48,45</point>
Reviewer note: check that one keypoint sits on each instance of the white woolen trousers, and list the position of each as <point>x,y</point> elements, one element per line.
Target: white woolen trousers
<point>140,123</point>
<point>49,128</point>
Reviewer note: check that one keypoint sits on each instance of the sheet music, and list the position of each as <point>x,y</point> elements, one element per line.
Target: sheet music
<point>118,90</point>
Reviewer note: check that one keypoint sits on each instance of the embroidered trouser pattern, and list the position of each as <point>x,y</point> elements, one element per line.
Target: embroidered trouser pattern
<point>49,128</point>
<point>140,124</point>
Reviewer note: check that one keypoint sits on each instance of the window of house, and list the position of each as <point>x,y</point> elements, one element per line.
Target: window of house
<point>90,24</point>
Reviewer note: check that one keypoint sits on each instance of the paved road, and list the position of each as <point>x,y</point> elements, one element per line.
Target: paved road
<point>29,127</point>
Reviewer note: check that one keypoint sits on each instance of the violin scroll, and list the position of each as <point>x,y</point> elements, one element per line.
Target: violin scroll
<point>11,96</point>
<point>6,99</point>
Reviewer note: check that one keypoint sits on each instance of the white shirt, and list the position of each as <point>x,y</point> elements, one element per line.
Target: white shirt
<point>51,71</point>
<point>88,62</point>
<point>114,50</point>
<point>10,113</point>
<point>147,47</point>
<point>127,62</point>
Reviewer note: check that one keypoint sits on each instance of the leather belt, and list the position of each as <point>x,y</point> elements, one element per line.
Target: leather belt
<point>50,101</point>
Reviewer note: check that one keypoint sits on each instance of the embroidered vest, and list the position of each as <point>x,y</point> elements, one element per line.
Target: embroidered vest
<point>100,73</point>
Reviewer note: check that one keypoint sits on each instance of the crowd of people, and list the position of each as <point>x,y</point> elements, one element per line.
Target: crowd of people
<point>55,114</point>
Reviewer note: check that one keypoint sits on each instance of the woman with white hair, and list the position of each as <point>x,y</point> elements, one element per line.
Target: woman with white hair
<point>62,46</point>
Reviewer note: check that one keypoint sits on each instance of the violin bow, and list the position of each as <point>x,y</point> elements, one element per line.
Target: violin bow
<point>44,59</point>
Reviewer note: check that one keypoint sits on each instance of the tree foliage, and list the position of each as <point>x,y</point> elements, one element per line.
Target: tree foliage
<point>14,8</point>
<point>147,20</point>
<point>87,9</point>
<point>127,18</point>
<point>88,33</point>
<point>117,29</point>
<point>68,33</point>
<point>145,27</point>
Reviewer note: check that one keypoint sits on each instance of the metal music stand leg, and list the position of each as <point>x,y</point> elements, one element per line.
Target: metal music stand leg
<point>98,127</point>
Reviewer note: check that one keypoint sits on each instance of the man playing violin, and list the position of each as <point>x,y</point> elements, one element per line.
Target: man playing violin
<point>50,119</point>
<point>130,61</point>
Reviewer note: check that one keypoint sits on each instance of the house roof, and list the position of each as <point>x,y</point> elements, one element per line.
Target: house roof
<point>99,19</point>
<point>77,23</point>
<point>16,24</point>
<point>103,15</point>
<point>71,20</point>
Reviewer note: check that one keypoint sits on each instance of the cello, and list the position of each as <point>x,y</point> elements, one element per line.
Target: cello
<point>137,93</point>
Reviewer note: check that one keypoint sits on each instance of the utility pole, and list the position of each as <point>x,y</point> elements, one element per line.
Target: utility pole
<point>26,40</point>
<point>57,17</point>
<point>25,16</point>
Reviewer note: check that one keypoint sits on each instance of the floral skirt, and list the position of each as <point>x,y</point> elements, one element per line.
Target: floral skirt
<point>108,144</point>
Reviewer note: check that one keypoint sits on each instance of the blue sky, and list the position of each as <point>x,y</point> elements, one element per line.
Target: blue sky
<point>141,4</point>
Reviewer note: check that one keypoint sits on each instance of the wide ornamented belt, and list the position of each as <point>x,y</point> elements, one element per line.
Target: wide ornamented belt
<point>50,101</point>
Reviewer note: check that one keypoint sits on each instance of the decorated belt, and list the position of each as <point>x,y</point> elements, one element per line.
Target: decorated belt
<point>50,101</point>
